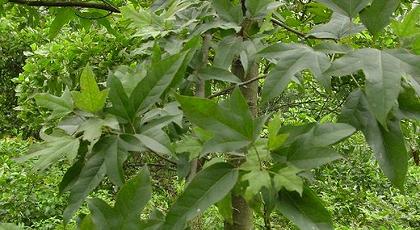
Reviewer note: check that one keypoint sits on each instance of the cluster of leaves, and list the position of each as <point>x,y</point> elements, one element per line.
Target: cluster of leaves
<point>28,198</point>
<point>13,43</point>
<point>44,72</point>
<point>269,166</point>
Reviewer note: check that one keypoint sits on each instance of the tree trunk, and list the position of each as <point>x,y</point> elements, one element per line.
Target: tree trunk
<point>242,214</point>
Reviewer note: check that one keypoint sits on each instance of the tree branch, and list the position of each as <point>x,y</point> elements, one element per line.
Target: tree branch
<point>91,5</point>
<point>227,90</point>
<point>297,32</point>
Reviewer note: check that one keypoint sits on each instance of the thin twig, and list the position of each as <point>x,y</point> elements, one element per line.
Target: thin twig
<point>92,5</point>
<point>297,32</point>
<point>227,90</point>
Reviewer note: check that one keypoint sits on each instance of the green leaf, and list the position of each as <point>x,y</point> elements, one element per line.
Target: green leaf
<point>230,122</point>
<point>8,226</point>
<point>90,98</point>
<point>307,146</point>
<point>275,141</point>
<point>291,59</point>
<point>409,104</point>
<point>103,216</point>
<point>409,25</point>
<point>62,17</point>
<point>338,27</point>
<point>114,157</point>
<point>225,208</point>
<point>383,74</point>
<point>260,8</point>
<point>226,51</point>
<point>91,176</point>
<point>388,146</point>
<point>350,8</point>
<point>287,178</point>
<point>53,149</point>
<point>228,11</point>
<point>130,201</point>
<point>208,187</point>
<point>60,106</point>
<point>214,73</point>
<point>305,211</point>
<point>160,76</point>
<point>132,198</point>
<point>257,179</point>
<point>121,105</point>
<point>378,15</point>
<point>87,223</point>
<point>154,143</point>
<point>92,128</point>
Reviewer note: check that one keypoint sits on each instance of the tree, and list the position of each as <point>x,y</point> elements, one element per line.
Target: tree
<point>193,48</point>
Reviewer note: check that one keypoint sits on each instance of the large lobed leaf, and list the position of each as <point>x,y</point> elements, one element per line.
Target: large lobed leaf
<point>291,59</point>
<point>90,98</point>
<point>383,71</point>
<point>350,8</point>
<point>388,145</point>
<point>131,200</point>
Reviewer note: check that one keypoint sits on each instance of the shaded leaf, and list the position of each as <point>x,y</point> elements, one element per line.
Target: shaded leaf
<point>209,186</point>
<point>60,106</point>
<point>306,211</point>
<point>214,73</point>
<point>350,8</point>
<point>388,146</point>
<point>383,74</point>
<point>291,59</point>
<point>338,27</point>
<point>230,122</point>
<point>378,15</point>
<point>228,11</point>
<point>53,149</point>
<point>160,76</point>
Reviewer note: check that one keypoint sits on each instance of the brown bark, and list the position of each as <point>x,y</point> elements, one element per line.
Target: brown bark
<point>200,92</point>
<point>242,213</point>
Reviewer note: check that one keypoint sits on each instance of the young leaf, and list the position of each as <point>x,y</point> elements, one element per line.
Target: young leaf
<point>378,15</point>
<point>291,59</point>
<point>306,211</point>
<point>257,179</point>
<point>208,187</point>
<point>90,98</point>
<point>347,7</point>
<point>388,146</point>
<point>287,178</point>
<point>230,122</point>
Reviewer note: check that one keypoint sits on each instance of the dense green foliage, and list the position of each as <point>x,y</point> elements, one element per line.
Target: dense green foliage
<point>240,106</point>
